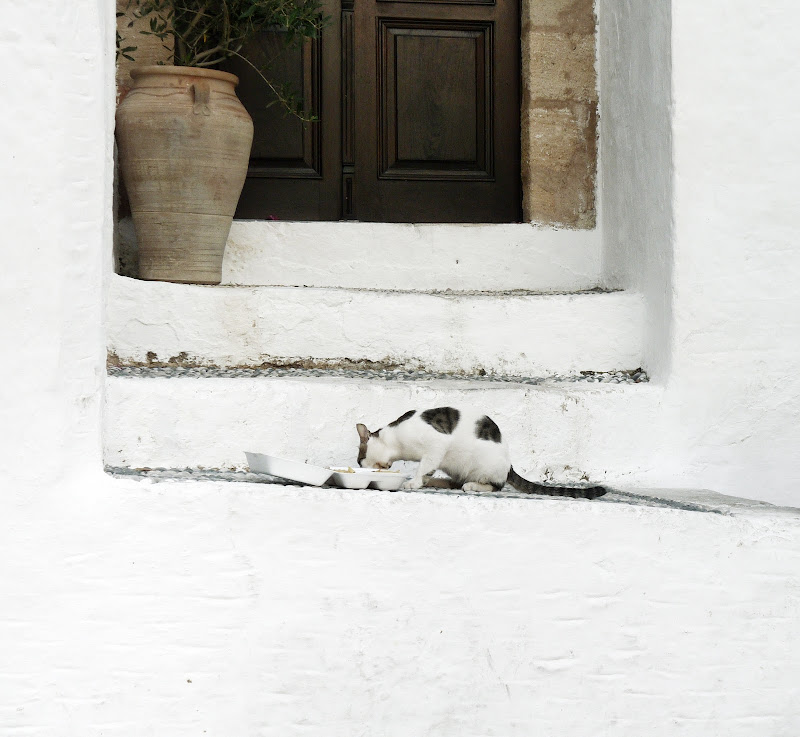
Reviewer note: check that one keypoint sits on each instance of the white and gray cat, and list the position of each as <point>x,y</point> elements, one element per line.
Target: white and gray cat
<point>465,444</point>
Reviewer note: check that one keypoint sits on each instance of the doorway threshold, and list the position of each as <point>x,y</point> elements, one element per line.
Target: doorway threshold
<point>407,256</point>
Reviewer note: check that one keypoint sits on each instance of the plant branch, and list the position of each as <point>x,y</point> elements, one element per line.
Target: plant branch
<point>307,117</point>
<point>206,32</point>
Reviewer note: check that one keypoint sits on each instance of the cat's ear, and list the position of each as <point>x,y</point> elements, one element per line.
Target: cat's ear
<point>363,432</point>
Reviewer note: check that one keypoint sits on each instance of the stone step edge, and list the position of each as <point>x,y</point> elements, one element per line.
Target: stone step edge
<point>178,475</point>
<point>355,370</point>
<point>597,290</point>
<point>449,292</point>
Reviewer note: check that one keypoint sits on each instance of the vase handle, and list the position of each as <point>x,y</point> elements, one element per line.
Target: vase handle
<point>201,89</point>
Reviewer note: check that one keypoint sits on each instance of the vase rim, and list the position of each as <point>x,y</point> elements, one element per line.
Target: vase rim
<point>165,69</point>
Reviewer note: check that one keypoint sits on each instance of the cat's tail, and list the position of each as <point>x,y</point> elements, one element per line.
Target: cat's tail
<point>531,487</point>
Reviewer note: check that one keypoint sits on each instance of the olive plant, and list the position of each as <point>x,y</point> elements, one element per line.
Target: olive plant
<point>204,33</point>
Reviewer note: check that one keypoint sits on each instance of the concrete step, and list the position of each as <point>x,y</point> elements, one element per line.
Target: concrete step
<point>482,257</point>
<point>558,430</point>
<point>503,333</point>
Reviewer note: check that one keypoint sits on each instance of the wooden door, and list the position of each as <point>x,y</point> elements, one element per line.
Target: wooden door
<point>437,111</point>
<point>419,106</point>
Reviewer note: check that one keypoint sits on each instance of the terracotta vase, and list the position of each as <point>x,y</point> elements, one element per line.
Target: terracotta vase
<point>184,144</point>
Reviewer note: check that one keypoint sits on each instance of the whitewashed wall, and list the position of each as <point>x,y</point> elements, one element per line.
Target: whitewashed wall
<point>736,305</point>
<point>55,196</point>
<point>634,63</point>
<point>717,263</point>
<point>131,609</point>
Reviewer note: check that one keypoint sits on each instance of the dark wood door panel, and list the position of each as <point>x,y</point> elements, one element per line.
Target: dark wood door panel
<point>444,82</point>
<point>295,167</point>
<point>282,145</point>
<point>435,81</point>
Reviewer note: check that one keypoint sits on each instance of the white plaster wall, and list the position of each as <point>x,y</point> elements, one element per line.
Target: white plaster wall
<point>55,200</point>
<point>735,383</point>
<point>702,220</point>
<point>634,66</point>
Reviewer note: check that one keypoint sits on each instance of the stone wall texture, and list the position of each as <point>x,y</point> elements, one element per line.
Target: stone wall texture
<point>559,112</point>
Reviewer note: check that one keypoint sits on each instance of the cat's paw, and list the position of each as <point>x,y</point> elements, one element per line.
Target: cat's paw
<point>475,486</point>
<point>412,484</point>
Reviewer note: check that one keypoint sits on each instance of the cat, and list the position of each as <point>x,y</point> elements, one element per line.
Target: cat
<point>465,444</point>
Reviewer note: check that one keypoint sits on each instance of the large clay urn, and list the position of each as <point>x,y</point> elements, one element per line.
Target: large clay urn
<point>184,143</point>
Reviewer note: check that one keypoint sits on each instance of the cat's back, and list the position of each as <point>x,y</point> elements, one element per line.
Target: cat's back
<point>460,424</point>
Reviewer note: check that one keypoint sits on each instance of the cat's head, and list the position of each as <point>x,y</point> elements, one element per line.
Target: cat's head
<point>373,451</point>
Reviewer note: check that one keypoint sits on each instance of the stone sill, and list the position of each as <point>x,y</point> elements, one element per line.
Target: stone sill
<point>405,256</point>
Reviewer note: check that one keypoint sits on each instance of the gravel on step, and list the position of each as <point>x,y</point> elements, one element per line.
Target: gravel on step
<point>636,376</point>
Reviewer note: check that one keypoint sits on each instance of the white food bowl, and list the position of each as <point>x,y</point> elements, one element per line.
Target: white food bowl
<point>350,479</point>
<point>361,478</point>
<point>388,481</point>
<point>303,473</point>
